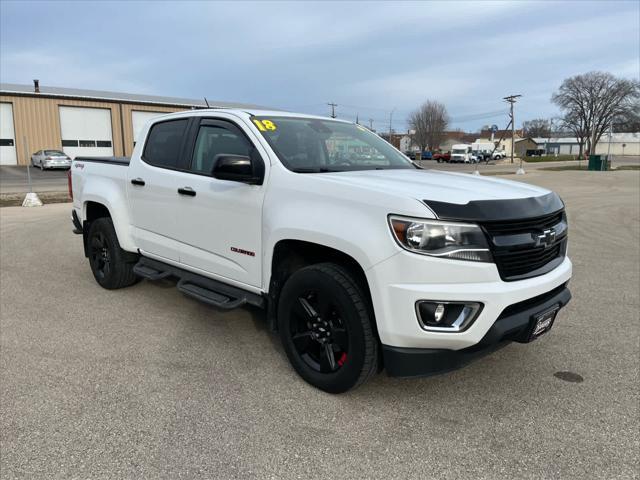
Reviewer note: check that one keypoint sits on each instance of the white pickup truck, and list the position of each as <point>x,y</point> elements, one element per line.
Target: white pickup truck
<point>362,261</point>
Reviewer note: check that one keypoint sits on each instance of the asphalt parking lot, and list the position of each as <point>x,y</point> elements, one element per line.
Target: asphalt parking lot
<point>146,383</point>
<point>15,179</point>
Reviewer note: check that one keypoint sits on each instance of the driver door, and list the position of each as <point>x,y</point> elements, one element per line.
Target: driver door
<point>220,221</point>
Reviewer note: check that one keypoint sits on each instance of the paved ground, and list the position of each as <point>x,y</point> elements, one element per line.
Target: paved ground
<point>146,383</point>
<point>14,179</point>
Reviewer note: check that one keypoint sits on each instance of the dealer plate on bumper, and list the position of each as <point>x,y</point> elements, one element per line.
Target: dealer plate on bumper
<point>542,322</point>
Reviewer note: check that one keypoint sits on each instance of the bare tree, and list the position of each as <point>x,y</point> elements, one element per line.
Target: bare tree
<point>592,101</point>
<point>576,124</point>
<point>428,123</point>
<point>538,127</point>
<point>628,123</point>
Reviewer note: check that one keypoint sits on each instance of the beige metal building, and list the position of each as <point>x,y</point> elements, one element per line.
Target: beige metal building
<point>79,122</point>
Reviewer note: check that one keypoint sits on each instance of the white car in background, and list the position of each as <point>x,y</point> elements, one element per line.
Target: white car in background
<point>46,159</point>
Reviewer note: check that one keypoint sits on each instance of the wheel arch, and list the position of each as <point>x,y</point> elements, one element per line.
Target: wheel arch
<point>94,207</point>
<point>289,255</point>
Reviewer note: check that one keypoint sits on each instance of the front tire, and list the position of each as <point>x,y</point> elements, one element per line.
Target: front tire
<point>111,266</point>
<point>326,328</point>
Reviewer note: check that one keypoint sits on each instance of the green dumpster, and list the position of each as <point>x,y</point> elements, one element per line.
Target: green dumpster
<point>598,162</point>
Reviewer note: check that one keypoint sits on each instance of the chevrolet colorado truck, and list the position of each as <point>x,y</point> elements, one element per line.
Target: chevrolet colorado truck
<point>362,262</point>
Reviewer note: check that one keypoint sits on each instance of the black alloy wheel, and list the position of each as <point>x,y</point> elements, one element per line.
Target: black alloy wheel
<point>100,255</point>
<point>319,334</point>
<point>325,324</point>
<point>111,266</point>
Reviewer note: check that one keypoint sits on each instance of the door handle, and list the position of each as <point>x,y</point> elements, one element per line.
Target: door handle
<point>138,181</point>
<point>187,191</point>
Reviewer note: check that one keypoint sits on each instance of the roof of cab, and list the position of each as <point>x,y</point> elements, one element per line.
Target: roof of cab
<point>250,112</point>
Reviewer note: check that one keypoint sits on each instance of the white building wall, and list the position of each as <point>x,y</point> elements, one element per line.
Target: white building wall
<point>7,136</point>
<point>569,146</point>
<point>631,142</point>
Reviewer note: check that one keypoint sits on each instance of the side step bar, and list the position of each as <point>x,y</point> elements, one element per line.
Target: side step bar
<point>150,273</point>
<point>207,290</point>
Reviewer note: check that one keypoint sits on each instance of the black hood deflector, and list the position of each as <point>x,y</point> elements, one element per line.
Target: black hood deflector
<point>497,210</point>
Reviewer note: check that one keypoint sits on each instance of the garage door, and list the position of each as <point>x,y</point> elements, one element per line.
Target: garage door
<point>7,135</point>
<point>86,131</point>
<point>138,119</point>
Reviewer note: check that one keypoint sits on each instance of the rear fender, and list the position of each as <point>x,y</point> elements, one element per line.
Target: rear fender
<point>107,192</point>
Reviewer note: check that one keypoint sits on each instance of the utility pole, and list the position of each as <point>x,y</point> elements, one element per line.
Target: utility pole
<point>357,119</point>
<point>511,99</point>
<point>333,109</point>
<point>371,124</point>
<point>391,124</point>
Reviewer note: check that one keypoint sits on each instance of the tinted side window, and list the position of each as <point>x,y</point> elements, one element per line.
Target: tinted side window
<point>217,140</point>
<point>163,143</point>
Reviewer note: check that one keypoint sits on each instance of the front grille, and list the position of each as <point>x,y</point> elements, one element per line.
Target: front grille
<point>525,225</point>
<point>513,244</point>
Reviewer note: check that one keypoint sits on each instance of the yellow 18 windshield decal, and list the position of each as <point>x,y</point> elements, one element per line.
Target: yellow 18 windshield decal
<point>264,125</point>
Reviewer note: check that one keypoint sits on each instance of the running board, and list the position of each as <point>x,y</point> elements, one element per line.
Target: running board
<point>209,296</point>
<point>201,288</point>
<point>150,273</point>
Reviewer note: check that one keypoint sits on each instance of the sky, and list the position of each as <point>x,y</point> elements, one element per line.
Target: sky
<point>371,58</point>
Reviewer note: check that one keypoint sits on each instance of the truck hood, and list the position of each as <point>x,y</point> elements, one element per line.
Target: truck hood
<point>436,185</point>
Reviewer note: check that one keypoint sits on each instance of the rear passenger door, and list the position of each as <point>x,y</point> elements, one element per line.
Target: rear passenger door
<point>152,186</point>
<point>220,224</point>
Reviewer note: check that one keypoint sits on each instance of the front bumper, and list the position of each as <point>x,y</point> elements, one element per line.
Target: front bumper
<point>405,278</point>
<point>513,324</point>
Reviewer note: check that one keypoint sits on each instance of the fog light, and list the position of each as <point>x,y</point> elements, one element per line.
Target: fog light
<point>447,316</point>
<point>439,313</point>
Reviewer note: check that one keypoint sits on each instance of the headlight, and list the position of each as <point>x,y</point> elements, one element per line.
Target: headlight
<point>462,241</point>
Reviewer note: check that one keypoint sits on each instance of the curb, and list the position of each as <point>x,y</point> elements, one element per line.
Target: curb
<point>16,199</point>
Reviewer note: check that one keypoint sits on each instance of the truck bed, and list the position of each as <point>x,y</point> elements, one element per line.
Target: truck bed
<point>113,160</point>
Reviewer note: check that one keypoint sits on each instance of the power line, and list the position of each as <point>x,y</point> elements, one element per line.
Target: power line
<point>478,116</point>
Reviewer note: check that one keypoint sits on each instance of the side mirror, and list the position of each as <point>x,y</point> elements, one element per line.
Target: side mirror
<point>238,168</point>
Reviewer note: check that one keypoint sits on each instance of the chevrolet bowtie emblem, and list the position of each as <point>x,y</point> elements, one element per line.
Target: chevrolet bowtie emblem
<point>546,239</point>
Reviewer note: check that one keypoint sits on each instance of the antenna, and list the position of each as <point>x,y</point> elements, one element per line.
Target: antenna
<point>207,102</point>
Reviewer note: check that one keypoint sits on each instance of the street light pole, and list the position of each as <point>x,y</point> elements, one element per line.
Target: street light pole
<point>603,164</point>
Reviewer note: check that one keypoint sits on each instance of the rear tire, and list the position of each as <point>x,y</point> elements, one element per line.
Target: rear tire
<point>326,328</point>
<point>111,266</point>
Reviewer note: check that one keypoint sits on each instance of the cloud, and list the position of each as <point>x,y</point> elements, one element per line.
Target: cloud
<point>66,70</point>
<point>367,56</point>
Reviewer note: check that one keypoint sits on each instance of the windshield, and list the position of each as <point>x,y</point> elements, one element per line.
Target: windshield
<point>459,151</point>
<point>309,145</point>
<point>55,153</point>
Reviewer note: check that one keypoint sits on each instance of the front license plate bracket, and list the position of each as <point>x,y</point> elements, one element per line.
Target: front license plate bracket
<point>541,323</point>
